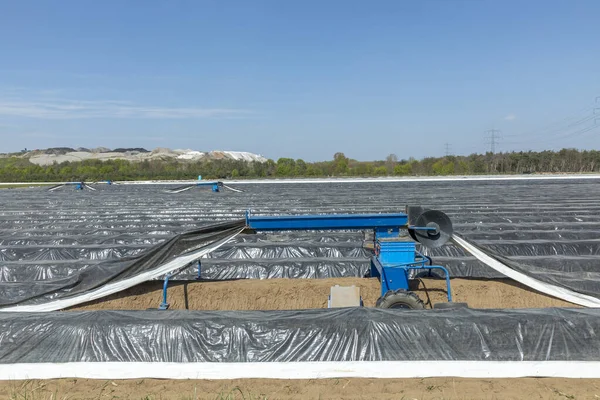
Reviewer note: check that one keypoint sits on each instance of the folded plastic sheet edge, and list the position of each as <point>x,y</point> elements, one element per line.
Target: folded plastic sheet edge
<point>547,288</point>
<point>302,370</point>
<point>116,287</point>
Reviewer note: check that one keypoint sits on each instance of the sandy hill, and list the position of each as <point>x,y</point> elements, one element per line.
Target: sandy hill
<point>62,154</point>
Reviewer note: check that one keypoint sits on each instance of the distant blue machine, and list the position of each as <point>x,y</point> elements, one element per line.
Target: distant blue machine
<point>78,186</point>
<point>394,237</point>
<point>216,186</point>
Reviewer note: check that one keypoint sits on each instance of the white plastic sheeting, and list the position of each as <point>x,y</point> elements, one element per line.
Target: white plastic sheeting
<point>527,280</point>
<point>303,370</point>
<point>120,285</point>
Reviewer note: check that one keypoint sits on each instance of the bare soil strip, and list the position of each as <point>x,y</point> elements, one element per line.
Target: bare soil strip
<point>251,389</point>
<point>294,294</point>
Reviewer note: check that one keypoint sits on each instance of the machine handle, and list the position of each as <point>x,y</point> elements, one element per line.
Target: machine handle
<point>423,228</point>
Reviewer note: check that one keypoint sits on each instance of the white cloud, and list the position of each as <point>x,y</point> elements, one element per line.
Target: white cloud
<point>78,109</point>
<point>510,117</point>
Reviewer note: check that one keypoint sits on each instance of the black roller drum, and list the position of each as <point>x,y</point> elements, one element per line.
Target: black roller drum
<point>433,219</point>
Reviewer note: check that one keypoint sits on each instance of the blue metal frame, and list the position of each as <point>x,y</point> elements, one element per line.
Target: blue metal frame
<point>215,186</point>
<point>78,185</point>
<point>384,224</point>
<point>164,305</point>
<point>395,257</point>
<point>395,254</point>
<point>394,276</point>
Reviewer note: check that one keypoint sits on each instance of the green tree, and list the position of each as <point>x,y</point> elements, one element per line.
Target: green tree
<point>403,169</point>
<point>340,164</point>
<point>443,167</point>
<point>300,169</point>
<point>285,167</point>
<point>380,171</point>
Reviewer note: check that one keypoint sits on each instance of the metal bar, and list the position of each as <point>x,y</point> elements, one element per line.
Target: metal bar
<point>164,305</point>
<point>446,275</point>
<point>422,228</point>
<point>385,286</point>
<point>326,222</point>
<point>448,288</point>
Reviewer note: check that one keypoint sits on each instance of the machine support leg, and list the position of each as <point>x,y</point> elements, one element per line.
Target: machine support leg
<point>164,305</point>
<point>448,288</point>
<point>447,276</point>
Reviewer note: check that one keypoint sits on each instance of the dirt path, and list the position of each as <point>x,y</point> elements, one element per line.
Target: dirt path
<point>432,388</point>
<point>281,294</point>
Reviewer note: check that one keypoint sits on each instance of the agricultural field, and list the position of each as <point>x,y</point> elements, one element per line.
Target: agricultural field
<point>549,228</point>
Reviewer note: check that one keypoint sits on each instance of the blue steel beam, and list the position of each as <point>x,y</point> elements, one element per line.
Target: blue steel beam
<point>326,222</point>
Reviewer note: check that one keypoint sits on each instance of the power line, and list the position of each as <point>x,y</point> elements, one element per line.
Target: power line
<point>566,128</point>
<point>582,131</point>
<point>494,137</point>
<point>557,126</point>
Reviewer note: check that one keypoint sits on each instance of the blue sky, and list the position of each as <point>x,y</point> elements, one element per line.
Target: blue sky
<point>301,79</point>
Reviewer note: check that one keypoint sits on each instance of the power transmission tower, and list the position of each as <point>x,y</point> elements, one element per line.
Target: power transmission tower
<point>447,147</point>
<point>494,137</point>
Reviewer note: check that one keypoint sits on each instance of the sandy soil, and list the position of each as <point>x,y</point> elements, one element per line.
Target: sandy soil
<point>281,294</point>
<point>431,388</point>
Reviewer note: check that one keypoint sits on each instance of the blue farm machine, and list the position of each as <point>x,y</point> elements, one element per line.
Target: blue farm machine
<point>79,185</point>
<point>395,237</point>
<point>215,186</point>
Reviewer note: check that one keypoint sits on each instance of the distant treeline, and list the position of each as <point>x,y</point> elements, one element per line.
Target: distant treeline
<point>18,169</point>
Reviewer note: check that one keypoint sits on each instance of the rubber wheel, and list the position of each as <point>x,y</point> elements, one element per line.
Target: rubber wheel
<point>400,299</point>
<point>450,306</point>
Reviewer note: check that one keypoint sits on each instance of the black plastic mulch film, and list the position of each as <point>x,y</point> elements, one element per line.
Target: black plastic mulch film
<point>68,241</point>
<point>350,334</point>
<point>111,271</point>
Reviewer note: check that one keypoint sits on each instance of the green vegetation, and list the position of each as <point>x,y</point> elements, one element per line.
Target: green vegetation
<point>16,186</point>
<point>18,169</point>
